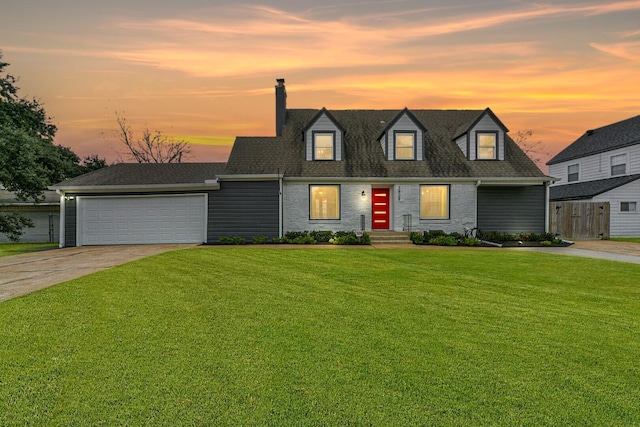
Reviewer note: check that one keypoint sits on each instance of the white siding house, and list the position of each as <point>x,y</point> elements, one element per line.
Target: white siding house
<point>603,165</point>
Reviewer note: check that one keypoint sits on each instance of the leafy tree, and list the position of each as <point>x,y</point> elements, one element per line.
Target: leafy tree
<point>152,147</point>
<point>29,160</point>
<point>92,162</point>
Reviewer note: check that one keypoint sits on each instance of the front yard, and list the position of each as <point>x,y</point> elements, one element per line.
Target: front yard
<point>309,336</point>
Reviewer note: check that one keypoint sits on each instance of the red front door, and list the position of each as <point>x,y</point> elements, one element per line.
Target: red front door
<point>380,209</point>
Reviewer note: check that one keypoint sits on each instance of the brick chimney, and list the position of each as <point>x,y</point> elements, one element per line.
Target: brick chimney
<point>281,106</point>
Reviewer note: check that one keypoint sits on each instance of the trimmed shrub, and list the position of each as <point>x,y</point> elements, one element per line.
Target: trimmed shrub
<point>259,240</point>
<point>321,236</point>
<point>444,241</point>
<point>233,240</point>
<point>417,238</point>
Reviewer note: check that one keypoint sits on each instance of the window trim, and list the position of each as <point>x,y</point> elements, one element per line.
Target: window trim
<point>448,187</point>
<point>414,134</point>
<point>495,148</point>
<point>339,201</point>
<point>611,165</point>
<point>314,148</point>
<point>577,174</point>
<point>628,210</point>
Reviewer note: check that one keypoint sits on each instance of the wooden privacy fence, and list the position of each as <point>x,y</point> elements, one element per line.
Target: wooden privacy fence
<point>579,220</point>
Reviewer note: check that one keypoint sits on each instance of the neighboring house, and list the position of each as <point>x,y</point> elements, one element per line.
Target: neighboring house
<point>45,216</point>
<point>603,165</point>
<point>324,170</point>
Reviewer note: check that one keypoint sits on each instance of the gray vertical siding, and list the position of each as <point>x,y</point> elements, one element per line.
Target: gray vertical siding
<point>512,209</point>
<point>70,221</point>
<point>244,208</point>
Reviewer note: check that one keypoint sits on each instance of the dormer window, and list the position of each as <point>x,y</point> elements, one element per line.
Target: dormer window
<point>405,145</point>
<point>487,144</point>
<point>323,146</point>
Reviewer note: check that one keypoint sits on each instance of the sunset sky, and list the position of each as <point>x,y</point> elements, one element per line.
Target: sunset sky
<point>205,70</point>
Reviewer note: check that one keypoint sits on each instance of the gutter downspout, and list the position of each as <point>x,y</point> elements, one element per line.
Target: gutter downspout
<point>281,203</point>
<point>476,213</point>
<point>547,207</point>
<point>62,219</point>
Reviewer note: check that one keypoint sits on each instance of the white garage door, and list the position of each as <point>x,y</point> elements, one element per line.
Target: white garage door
<point>142,220</point>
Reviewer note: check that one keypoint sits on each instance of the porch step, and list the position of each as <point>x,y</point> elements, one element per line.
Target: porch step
<point>390,237</point>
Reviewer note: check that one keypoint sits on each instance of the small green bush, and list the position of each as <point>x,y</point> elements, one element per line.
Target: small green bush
<point>321,236</point>
<point>293,235</point>
<point>345,239</point>
<point>259,240</point>
<point>432,234</point>
<point>417,238</point>
<point>444,241</point>
<point>470,241</point>
<point>545,243</point>
<point>365,239</point>
<point>304,240</point>
<point>233,240</point>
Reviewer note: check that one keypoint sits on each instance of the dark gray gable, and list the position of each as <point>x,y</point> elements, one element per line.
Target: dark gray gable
<point>588,189</point>
<point>606,138</point>
<point>323,112</point>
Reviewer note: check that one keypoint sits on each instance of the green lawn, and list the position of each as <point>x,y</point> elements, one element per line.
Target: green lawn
<point>7,249</point>
<point>626,239</point>
<point>340,336</point>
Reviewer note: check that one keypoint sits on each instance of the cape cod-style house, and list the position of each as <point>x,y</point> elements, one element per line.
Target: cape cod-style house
<point>337,170</point>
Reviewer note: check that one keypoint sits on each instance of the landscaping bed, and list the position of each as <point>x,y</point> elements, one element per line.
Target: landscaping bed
<point>493,239</point>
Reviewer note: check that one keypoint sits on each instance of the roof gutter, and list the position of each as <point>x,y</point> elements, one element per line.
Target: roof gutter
<point>136,188</point>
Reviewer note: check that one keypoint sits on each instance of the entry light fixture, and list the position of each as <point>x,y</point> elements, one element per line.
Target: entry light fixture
<point>363,196</point>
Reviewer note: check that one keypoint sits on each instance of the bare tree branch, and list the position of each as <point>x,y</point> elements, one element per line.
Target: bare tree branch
<point>151,147</point>
<point>533,149</point>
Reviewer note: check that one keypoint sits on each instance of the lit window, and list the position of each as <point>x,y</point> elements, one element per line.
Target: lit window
<point>628,207</point>
<point>572,173</point>
<point>405,146</point>
<point>323,146</point>
<point>325,202</point>
<point>434,201</point>
<point>487,146</point>
<point>619,164</point>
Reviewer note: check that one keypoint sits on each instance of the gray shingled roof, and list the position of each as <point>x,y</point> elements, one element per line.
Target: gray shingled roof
<point>147,174</point>
<point>363,155</point>
<point>588,189</point>
<point>616,135</point>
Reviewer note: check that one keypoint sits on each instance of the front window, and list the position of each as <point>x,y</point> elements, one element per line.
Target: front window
<point>487,143</point>
<point>434,201</point>
<point>405,146</point>
<point>572,173</point>
<point>619,164</point>
<point>325,202</point>
<point>323,146</point>
<point>628,207</point>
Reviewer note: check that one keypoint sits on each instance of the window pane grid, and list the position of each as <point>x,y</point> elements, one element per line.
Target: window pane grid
<point>325,202</point>
<point>323,145</point>
<point>486,146</point>
<point>434,202</point>
<point>405,143</point>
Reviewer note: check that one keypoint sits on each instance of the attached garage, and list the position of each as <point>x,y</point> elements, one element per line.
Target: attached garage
<point>126,220</point>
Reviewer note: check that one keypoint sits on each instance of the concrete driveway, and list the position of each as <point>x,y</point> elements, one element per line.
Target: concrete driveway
<point>21,274</point>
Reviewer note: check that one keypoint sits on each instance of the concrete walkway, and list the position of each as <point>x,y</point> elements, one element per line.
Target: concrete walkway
<point>21,274</point>
<point>599,249</point>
